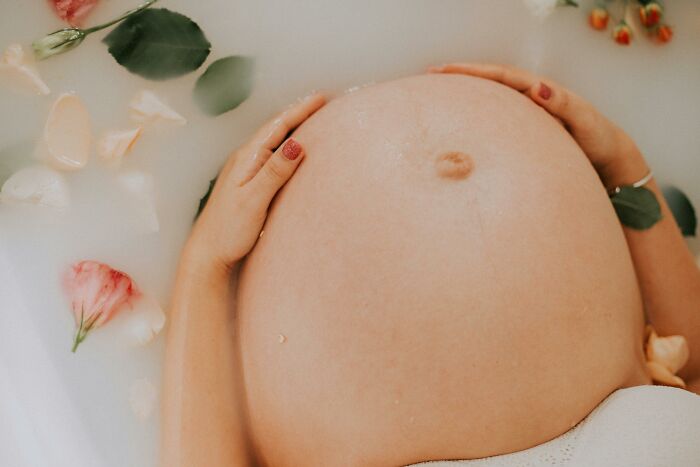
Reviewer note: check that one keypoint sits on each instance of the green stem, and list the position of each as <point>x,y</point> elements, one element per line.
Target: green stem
<point>138,9</point>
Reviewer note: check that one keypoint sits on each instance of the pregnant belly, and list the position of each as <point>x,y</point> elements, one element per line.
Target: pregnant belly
<point>443,278</point>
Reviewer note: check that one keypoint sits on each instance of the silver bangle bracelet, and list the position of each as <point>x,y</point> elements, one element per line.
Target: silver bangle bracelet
<point>639,183</point>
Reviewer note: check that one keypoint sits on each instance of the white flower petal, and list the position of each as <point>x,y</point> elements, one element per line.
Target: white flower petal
<point>19,73</point>
<point>66,142</point>
<point>36,185</point>
<point>146,107</point>
<point>113,145</point>
<point>144,322</point>
<point>541,8</point>
<point>141,186</point>
<point>142,398</point>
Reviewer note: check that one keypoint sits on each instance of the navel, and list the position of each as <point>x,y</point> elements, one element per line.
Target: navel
<point>454,165</point>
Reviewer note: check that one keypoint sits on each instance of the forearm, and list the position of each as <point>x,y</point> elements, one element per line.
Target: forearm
<point>202,419</point>
<point>668,277</point>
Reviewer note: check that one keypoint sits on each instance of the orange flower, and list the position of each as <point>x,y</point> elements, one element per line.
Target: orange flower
<point>664,33</point>
<point>97,293</point>
<point>622,33</point>
<point>598,18</point>
<point>650,14</point>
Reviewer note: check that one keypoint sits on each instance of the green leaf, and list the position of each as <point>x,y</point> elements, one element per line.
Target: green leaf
<point>205,198</point>
<point>158,44</point>
<point>682,210</point>
<point>225,85</point>
<point>637,208</point>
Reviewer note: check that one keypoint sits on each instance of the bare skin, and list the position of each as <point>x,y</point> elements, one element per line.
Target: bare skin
<point>206,419</point>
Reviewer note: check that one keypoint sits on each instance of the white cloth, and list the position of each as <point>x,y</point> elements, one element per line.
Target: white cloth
<point>643,426</point>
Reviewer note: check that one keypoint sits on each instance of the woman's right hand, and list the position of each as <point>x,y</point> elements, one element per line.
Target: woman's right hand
<point>230,224</point>
<point>611,151</point>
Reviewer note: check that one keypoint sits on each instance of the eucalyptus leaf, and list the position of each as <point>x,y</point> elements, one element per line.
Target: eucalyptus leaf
<point>636,207</point>
<point>205,198</point>
<point>158,44</point>
<point>224,85</point>
<point>682,210</point>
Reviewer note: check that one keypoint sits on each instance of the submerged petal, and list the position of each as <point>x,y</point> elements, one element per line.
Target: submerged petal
<point>142,398</point>
<point>113,145</point>
<point>19,72</point>
<point>36,185</point>
<point>145,321</point>
<point>147,107</point>
<point>141,186</point>
<point>67,133</point>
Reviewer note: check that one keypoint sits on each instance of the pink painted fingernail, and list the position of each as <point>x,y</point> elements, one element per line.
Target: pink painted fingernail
<point>291,149</point>
<point>545,91</point>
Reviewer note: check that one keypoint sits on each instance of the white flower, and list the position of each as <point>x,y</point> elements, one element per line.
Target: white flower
<point>541,8</point>
<point>141,187</point>
<point>19,72</point>
<point>67,134</point>
<point>144,322</point>
<point>142,398</point>
<point>146,107</point>
<point>36,185</point>
<point>113,145</point>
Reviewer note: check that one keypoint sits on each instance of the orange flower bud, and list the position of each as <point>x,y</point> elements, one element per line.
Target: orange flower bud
<point>622,33</point>
<point>598,18</point>
<point>664,33</point>
<point>650,14</point>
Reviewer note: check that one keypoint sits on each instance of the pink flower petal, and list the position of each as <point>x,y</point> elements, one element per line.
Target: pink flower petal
<point>97,292</point>
<point>73,11</point>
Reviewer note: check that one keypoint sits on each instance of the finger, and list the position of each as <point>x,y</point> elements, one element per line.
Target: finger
<point>515,78</point>
<point>572,110</point>
<point>257,151</point>
<point>278,169</point>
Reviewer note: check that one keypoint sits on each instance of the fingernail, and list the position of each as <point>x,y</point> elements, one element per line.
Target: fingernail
<point>545,91</point>
<point>291,149</point>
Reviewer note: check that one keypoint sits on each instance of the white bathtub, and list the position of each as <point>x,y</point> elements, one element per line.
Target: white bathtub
<point>59,408</point>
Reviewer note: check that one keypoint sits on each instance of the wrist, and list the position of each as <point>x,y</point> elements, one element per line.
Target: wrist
<point>198,260</point>
<point>627,168</point>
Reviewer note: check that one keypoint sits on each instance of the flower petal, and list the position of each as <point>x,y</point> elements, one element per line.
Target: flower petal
<point>67,133</point>
<point>36,185</point>
<point>19,73</point>
<point>671,352</point>
<point>141,186</point>
<point>73,11</point>
<point>144,322</point>
<point>146,107</point>
<point>113,145</point>
<point>142,398</point>
<point>660,374</point>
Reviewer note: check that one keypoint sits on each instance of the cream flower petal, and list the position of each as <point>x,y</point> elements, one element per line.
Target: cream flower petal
<point>67,136</point>
<point>144,322</point>
<point>36,185</point>
<point>660,374</point>
<point>142,187</point>
<point>113,145</point>
<point>671,352</point>
<point>20,73</point>
<point>146,107</point>
<point>142,398</point>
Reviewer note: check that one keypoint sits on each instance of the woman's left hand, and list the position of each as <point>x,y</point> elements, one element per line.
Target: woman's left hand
<point>230,224</point>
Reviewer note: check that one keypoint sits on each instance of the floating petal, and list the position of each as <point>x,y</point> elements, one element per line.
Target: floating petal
<point>671,352</point>
<point>67,134</point>
<point>20,73</point>
<point>73,11</point>
<point>113,145</point>
<point>36,185</point>
<point>146,107</point>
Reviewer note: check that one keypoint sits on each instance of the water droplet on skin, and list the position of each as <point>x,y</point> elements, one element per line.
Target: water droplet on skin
<point>282,338</point>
